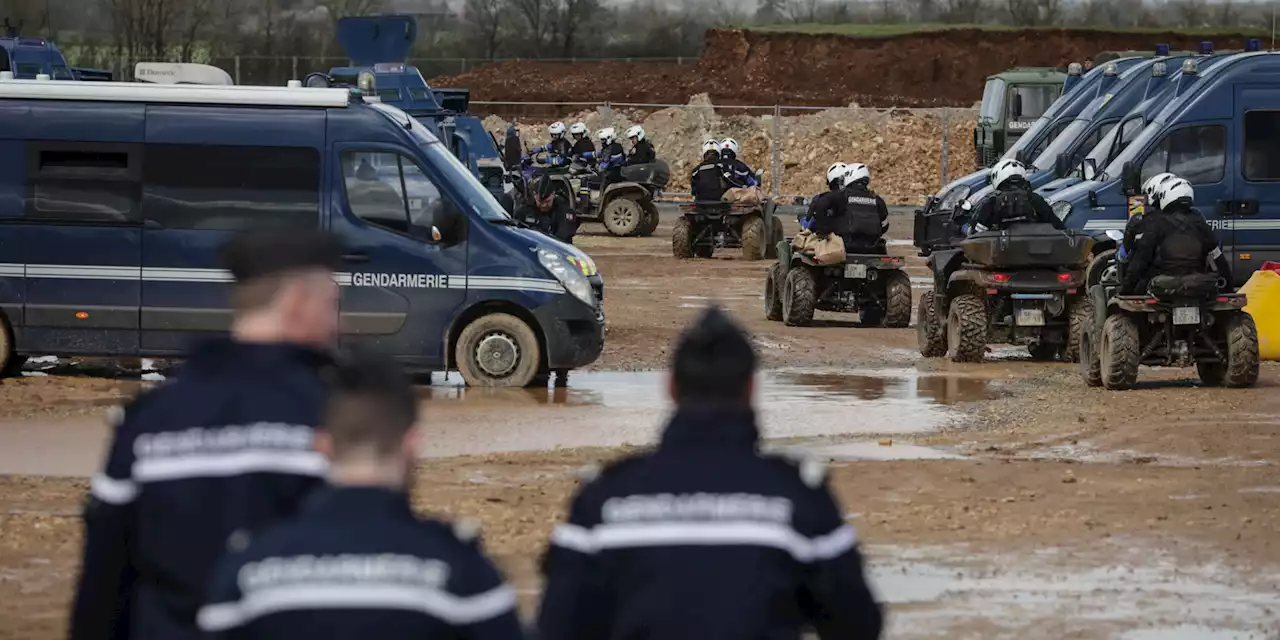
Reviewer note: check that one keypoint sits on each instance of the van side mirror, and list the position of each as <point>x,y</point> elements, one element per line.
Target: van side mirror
<point>448,225</point>
<point>1130,177</point>
<point>1061,166</point>
<point>1088,168</point>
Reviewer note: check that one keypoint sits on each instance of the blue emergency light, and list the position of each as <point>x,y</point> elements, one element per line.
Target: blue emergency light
<point>1253,44</point>
<point>1206,48</point>
<point>1162,50</point>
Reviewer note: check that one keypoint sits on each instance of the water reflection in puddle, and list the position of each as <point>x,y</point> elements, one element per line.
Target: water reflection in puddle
<point>613,408</point>
<point>1116,591</point>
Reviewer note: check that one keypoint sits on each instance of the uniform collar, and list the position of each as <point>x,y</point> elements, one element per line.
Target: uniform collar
<point>364,499</point>
<point>226,352</point>
<point>711,426</point>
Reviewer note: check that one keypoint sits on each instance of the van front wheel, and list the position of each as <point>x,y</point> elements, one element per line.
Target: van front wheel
<point>498,350</point>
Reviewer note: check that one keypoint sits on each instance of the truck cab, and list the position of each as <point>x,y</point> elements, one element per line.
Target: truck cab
<point>116,197</point>
<point>1220,131</point>
<point>1012,101</point>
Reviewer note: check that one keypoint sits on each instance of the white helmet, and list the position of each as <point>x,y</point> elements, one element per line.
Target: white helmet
<point>1006,169</point>
<point>607,135</point>
<point>855,172</point>
<point>1174,190</point>
<point>1152,184</point>
<point>556,130</point>
<point>636,131</point>
<point>578,129</point>
<point>836,172</point>
<point>729,144</point>
<point>710,145</point>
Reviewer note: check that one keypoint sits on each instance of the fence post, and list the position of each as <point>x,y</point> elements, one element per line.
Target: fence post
<point>775,151</point>
<point>946,144</point>
<point>607,112</point>
<point>679,60</point>
<point>295,69</point>
<point>238,70</point>
<point>462,62</point>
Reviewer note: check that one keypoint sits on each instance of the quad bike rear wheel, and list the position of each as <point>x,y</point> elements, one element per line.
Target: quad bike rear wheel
<point>772,297</point>
<point>1090,363</point>
<point>752,237</point>
<point>1241,368</point>
<point>930,333</point>
<point>682,239</point>
<point>897,295</point>
<point>967,329</point>
<point>1118,353</point>
<point>1081,314</point>
<point>623,217</point>
<point>650,220</point>
<point>798,298</point>
<point>10,362</point>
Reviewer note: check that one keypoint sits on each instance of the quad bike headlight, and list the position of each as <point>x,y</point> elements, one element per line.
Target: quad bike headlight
<point>568,275</point>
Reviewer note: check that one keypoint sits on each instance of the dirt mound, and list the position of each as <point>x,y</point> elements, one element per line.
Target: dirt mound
<point>902,148</point>
<point>945,68</point>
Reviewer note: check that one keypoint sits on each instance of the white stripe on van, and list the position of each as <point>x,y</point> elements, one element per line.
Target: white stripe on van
<point>1257,224</point>
<point>210,276</point>
<point>1104,225</point>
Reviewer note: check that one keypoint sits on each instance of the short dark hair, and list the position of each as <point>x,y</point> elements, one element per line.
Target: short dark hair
<point>260,260</point>
<point>714,360</point>
<point>371,405</point>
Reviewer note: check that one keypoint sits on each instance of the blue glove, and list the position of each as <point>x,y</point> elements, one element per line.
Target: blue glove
<point>807,223</point>
<point>964,228</point>
<point>557,161</point>
<point>1122,254</point>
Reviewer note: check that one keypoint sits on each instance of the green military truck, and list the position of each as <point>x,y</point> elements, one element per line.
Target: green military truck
<point>1011,103</point>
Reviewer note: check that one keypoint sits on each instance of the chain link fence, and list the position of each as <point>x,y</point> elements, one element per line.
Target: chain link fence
<point>279,70</point>
<point>911,152</point>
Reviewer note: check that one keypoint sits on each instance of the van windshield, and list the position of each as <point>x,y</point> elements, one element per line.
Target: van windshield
<point>1048,157</point>
<point>1139,143</point>
<point>466,186</point>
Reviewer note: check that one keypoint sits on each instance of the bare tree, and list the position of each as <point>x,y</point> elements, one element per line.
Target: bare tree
<point>1191,13</point>
<point>573,15</point>
<point>961,11</point>
<point>339,9</point>
<point>539,14</point>
<point>1023,13</point>
<point>484,19</point>
<point>801,10</point>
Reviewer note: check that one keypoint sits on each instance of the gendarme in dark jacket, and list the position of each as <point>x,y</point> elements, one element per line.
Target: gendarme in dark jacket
<point>358,563</point>
<point>706,538</point>
<point>223,449</point>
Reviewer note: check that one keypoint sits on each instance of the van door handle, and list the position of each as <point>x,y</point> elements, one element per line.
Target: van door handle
<point>355,257</point>
<point>1247,207</point>
<point>1225,208</point>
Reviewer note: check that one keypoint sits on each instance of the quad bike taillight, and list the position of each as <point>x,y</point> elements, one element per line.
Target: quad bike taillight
<point>1000,277</point>
<point>1064,278</point>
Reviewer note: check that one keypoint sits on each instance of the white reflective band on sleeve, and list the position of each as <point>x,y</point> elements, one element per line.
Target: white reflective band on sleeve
<point>834,544</point>
<point>307,463</point>
<point>571,536</point>
<point>452,609</point>
<point>672,534</point>
<point>111,490</point>
<point>1215,254</point>
<point>979,228</point>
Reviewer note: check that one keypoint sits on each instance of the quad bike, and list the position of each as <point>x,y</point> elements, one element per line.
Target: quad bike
<point>704,227</point>
<point>872,285</point>
<point>1020,286</point>
<point>1183,321</point>
<point>626,207</point>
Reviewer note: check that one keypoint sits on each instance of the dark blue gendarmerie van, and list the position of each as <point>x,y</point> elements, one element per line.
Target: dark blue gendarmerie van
<point>115,198</point>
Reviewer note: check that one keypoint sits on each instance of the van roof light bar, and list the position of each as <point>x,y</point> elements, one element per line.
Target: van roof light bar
<point>173,93</point>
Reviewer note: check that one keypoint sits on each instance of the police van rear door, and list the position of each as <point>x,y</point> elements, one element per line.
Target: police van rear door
<point>210,172</point>
<point>402,286</point>
<point>1255,205</point>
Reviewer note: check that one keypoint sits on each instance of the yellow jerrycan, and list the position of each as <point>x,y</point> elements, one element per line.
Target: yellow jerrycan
<point>1263,291</point>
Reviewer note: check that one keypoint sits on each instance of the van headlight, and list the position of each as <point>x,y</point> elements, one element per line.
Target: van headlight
<point>953,197</point>
<point>569,276</point>
<point>1062,210</point>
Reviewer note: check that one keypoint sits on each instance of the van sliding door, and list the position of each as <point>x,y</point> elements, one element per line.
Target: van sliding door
<point>1255,205</point>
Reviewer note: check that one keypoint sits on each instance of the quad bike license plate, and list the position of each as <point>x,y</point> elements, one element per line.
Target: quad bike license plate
<point>855,271</point>
<point>1030,318</point>
<point>1186,315</point>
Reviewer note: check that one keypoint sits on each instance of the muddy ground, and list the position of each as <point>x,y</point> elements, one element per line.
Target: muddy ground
<point>1002,500</point>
